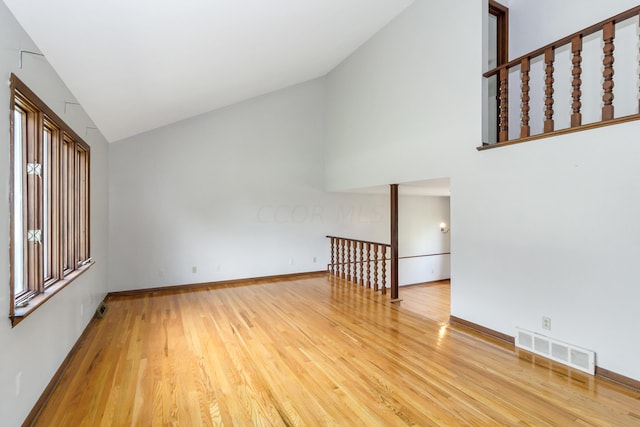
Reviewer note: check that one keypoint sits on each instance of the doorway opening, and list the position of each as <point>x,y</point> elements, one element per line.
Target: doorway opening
<point>424,248</point>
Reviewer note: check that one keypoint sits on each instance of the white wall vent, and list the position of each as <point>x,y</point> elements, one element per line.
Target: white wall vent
<point>567,354</point>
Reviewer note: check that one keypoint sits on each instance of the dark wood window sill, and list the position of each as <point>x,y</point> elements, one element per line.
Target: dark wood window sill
<point>21,313</point>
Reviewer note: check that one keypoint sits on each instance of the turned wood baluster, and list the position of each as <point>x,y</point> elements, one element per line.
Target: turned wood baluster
<point>337,267</point>
<point>608,34</point>
<point>503,103</point>
<point>346,259</point>
<point>354,262</point>
<point>345,251</point>
<point>369,265</point>
<point>576,106</point>
<point>333,256</point>
<point>375,267</point>
<point>549,58</point>
<point>525,68</point>
<point>343,267</point>
<point>358,260</point>
<point>361,281</point>
<point>384,270</point>
<point>350,260</point>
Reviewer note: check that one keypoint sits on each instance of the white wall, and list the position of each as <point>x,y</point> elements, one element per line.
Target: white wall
<point>237,193</point>
<point>34,349</point>
<point>393,115</point>
<point>546,228</point>
<point>557,236</point>
<point>419,219</point>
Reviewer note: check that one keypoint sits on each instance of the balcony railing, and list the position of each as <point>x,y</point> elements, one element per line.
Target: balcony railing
<point>361,262</point>
<point>572,84</point>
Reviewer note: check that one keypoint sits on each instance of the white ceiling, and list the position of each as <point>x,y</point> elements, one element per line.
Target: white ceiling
<point>136,65</point>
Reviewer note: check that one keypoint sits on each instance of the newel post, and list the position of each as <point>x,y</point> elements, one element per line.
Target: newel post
<point>394,241</point>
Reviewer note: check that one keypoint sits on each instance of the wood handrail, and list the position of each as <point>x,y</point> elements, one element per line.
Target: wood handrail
<point>627,14</point>
<point>355,262</point>
<point>402,257</point>
<point>358,240</point>
<point>424,256</point>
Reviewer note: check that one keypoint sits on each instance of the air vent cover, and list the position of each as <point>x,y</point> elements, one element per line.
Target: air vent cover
<point>567,354</point>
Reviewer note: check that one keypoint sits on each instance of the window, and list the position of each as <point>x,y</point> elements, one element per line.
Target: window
<point>49,203</point>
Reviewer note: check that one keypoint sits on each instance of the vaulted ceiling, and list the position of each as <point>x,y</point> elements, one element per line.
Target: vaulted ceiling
<point>136,65</point>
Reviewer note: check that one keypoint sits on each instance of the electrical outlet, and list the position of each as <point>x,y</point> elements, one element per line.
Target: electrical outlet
<point>290,261</point>
<point>314,260</point>
<point>194,269</point>
<point>81,310</point>
<point>546,323</point>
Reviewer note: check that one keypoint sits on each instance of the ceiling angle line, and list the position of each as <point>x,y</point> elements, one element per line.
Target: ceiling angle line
<point>29,52</point>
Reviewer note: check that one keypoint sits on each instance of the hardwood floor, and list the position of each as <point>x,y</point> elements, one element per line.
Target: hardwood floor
<point>311,351</point>
<point>431,300</point>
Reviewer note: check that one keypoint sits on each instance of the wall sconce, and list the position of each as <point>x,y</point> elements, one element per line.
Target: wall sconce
<point>444,228</point>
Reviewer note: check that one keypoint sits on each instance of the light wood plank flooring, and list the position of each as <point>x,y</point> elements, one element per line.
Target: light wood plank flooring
<point>431,300</point>
<point>312,351</point>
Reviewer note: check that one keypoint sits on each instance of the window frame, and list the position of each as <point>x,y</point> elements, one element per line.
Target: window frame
<point>45,200</point>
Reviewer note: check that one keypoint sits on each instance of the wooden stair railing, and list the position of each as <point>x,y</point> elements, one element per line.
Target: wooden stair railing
<point>360,262</point>
<point>548,54</point>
